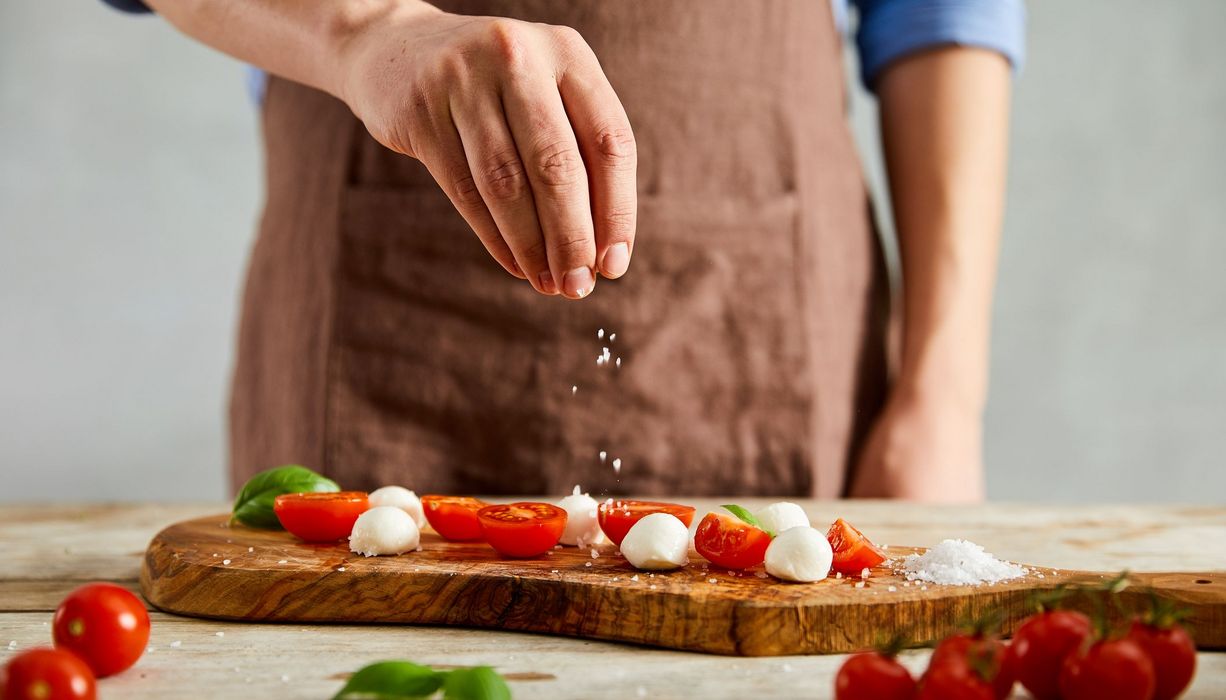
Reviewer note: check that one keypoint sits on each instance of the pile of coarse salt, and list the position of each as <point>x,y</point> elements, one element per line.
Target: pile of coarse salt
<point>959,563</point>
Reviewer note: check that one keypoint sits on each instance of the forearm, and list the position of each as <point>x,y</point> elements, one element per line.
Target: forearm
<point>302,40</point>
<point>944,122</point>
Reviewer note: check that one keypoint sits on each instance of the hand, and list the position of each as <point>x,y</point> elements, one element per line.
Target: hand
<point>922,448</point>
<point>518,125</point>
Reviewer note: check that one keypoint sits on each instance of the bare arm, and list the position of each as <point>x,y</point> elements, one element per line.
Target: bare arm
<point>516,121</point>
<point>944,122</point>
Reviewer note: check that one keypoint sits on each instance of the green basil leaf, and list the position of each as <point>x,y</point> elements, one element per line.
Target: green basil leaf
<point>746,517</point>
<point>392,680</point>
<point>254,503</point>
<point>476,683</point>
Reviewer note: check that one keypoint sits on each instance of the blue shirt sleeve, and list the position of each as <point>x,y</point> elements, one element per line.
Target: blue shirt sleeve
<point>892,29</point>
<point>128,5</point>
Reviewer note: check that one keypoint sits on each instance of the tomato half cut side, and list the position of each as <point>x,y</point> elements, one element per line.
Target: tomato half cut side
<point>522,529</point>
<point>853,552</point>
<point>320,516</point>
<point>454,518</point>
<point>730,542</point>
<point>617,517</point>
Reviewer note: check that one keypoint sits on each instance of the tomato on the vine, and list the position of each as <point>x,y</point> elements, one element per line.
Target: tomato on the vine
<point>522,529</point>
<point>872,675</point>
<point>1040,646</point>
<point>104,624</point>
<point>454,517</point>
<point>954,680</point>
<point>853,552</point>
<point>617,517</point>
<point>1112,669</point>
<point>1172,652</point>
<point>730,542</point>
<point>988,653</point>
<point>320,516</point>
<point>47,674</point>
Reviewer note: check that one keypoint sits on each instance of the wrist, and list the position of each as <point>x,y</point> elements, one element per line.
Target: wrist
<point>952,378</point>
<point>348,23</point>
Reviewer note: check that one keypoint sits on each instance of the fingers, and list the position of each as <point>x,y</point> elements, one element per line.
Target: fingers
<point>558,178</point>
<point>448,165</point>
<point>502,182</point>
<point>609,151</point>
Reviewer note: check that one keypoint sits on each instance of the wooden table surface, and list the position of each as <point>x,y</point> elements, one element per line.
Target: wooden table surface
<point>45,551</point>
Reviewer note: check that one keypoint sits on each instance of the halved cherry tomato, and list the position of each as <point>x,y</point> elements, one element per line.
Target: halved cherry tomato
<point>104,624</point>
<point>616,518</point>
<point>454,517</point>
<point>853,552</point>
<point>47,674</point>
<point>320,517</point>
<point>729,542</point>
<point>522,529</point>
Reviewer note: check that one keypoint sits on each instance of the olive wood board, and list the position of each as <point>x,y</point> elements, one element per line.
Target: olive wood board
<point>209,568</point>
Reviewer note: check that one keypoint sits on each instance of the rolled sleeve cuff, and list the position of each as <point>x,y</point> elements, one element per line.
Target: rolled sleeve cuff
<point>128,5</point>
<point>892,29</point>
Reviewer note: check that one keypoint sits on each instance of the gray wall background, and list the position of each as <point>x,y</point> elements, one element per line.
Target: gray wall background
<point>130,185</point>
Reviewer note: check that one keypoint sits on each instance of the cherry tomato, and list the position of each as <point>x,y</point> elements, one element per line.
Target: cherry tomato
<point>1173,654</point>
<point>729,542</point>
<point>522,529</point>
<point>873,676</point>
<point>954,679</point>
<point>47,674</point>
<point>992,654</point>
<point>618,517</point>
<point>853,552</point>
<point>320,516</point>
<point>1040,646</point>
<point>105,625</point>
<point>1115,669</point>
<point>454,517</point>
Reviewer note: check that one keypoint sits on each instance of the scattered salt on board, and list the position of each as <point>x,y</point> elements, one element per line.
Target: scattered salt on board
<point>958,563</point>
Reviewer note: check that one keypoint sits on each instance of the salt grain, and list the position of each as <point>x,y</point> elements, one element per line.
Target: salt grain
<point>600,333</point>
<point>285,679</point>
<point>891,589</point>
<point>341,568</point>
<point>617,465</point>
<point>595,554</point>
<point>604,454</point>
<point>225,562</point>
<point>634,577</point>
<point>710,580</point>
<point>283,561</point>
<point>587,563</point>
<point>573,389</point>
<point>859,584</point>
<point>864,573</point>
<point>220,634</point>
<point>652,586</point>
<point>250,549</point>
<point>176,644</point>
<point>959,563</point>
<point>612,337</point>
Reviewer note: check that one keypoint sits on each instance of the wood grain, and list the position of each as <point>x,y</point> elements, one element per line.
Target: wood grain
<point>570,593</point>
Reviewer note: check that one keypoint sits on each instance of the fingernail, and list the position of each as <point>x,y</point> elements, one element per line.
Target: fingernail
<point>578,282</point>
<point>547,284</point>
<point>515,269</point>
<point>616,260</point>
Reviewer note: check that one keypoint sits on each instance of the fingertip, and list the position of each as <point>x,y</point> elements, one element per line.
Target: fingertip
<point>616,260</point>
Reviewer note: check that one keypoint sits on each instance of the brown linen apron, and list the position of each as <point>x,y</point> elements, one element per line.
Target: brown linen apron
<point>382,345</point>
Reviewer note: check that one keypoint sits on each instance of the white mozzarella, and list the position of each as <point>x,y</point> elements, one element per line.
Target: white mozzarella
<point>384,530</point>
<point>657,541</point>
<point>780,516</point>
<point>799,554</point>
<point>402,498</point>
<point>582,525</point>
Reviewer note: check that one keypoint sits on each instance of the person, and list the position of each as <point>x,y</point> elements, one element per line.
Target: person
<point>744,352</point>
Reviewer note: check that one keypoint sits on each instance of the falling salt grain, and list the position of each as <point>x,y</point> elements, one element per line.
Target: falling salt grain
<point>604,454</point>
<point>618,362</point>
<point>573,389</point>
<point>617,465</point>
<point>612,337</point>
<point>600,333</point>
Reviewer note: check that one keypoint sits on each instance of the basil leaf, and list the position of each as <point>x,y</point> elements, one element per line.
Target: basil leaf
<point>746,517</point>
<point>392,680</point>
<point>254,503</point>
<point>476,683</point>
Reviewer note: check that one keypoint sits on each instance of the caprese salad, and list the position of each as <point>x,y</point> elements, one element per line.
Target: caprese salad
<point>651,535</point>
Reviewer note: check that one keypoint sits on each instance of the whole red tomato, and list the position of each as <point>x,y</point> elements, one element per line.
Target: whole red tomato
<point>991,654</point>
<point>105,625</point>
<point>1040,646</point>
<point>873,676</point>
<point>1114,669</point>
<point>954,679</point>
<point>1173,654</point>
<point>47,674</point>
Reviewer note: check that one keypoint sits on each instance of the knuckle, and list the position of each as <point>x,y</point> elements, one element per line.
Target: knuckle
<point>508,41</point>
<point>533,255</point>
<point>616,146</point>
<point>465,192</point>
<point>567,37</point>
<point>558,164</point>
<point>504,177</point>
<point>620,223</point>
<point>573,245</point>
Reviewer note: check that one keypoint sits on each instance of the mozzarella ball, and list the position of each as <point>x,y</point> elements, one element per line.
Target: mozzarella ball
<point>402,498</point>
<point>799,554</point>
<point>657,541</point>
<point>384,530</point>
<point>780,516</point>
<point>582,526</point>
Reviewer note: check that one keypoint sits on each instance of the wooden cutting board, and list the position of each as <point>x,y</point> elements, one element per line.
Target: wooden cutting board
<point>206,568</point>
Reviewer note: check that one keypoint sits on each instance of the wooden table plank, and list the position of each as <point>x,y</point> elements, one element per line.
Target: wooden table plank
<point>315,658</point>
